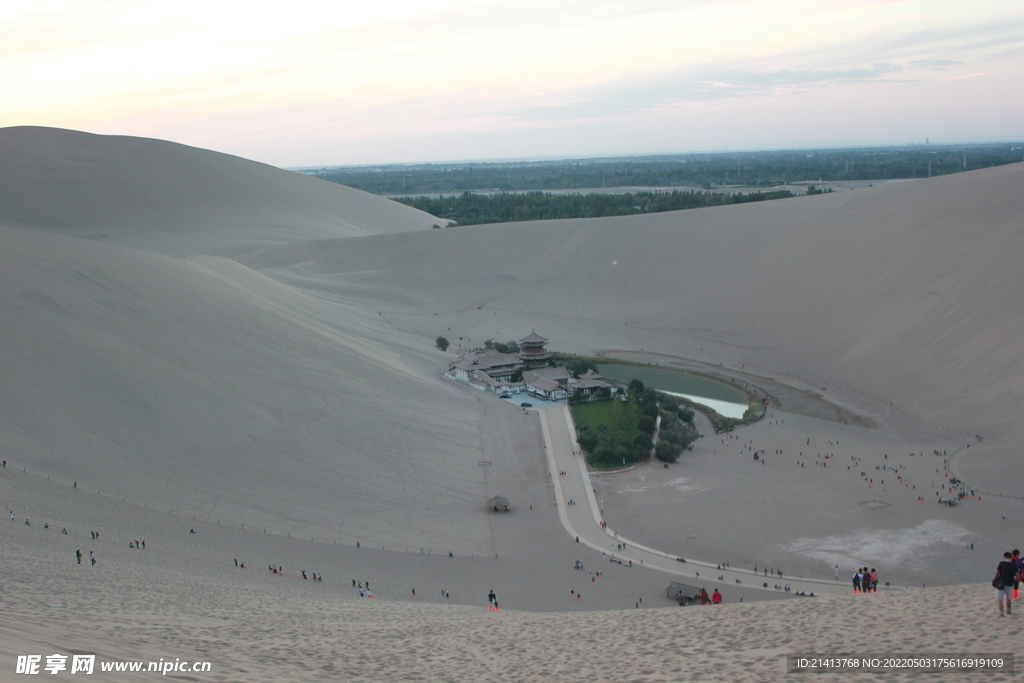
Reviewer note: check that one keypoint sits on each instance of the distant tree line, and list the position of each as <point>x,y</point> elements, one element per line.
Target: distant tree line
<point>759,169</point>
<point>473,209</point>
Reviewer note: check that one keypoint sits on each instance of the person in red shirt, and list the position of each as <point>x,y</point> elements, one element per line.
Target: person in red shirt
<point>716,597</point>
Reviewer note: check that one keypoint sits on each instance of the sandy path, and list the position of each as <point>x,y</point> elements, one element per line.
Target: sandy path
<point>583,521</point>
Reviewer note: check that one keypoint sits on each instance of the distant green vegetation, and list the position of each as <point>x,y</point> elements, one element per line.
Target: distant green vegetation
<point>752,169</point>
<point>474,209</point>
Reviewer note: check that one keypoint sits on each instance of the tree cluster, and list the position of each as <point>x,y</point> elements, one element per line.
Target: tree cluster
<point>507,347</point>
<point>476,209</point>
<point>637,423</point>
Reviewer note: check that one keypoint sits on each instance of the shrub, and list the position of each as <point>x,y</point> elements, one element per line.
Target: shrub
<point>646,424</point>
<point>441,343</point>
<point>643,443</point>
<point>668,452</point>
<point>580,367</point>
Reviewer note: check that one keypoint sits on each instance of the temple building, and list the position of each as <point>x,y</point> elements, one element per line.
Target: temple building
<point>528,371</point>
<point>532,352</point>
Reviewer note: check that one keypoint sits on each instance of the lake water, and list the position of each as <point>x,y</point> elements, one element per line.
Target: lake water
<point>727,401</point>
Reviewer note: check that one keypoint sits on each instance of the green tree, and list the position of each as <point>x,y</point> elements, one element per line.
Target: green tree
<point>580,367</point>
<point>646,424</point>
<point>643,444</point>
<point>441,343</point>
<point>667,451</point>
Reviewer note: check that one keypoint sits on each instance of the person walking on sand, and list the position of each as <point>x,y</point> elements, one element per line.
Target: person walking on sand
<point>1006,575</point>
<point>92,557</point>
<point>78,555</point>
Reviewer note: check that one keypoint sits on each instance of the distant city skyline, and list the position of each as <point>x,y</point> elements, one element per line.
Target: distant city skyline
<point>345,83</point>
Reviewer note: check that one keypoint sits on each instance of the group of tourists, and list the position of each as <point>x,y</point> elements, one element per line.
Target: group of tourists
<point>865,580</point>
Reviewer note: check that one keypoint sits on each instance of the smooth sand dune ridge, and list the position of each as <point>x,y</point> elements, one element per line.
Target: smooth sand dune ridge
<point>905,294</point>
<point>153,193</point>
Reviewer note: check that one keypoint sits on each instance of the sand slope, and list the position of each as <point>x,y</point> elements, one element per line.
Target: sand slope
<point>147,191</point>
<point>202,387</point>
<point>907,293</point>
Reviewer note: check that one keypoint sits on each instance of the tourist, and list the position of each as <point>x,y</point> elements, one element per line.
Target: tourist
<point>1006,575</point>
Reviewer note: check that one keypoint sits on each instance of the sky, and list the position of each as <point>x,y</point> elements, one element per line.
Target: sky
<point>310,83</point>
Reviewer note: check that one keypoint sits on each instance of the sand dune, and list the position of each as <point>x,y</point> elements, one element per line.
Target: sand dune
<point>201,341</point>
<point>155,193</point>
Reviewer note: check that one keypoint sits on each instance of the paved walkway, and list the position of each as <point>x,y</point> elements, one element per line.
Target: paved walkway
<point>583,521</point>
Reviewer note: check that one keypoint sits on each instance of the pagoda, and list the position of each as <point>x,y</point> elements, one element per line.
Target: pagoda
<point>531,351</point>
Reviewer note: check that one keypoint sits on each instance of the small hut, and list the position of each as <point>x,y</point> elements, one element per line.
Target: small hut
<point>498,504</point>
<point>681,593</point>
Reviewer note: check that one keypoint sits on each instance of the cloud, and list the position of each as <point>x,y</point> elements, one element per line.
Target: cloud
<point>939,64</point>
<point>625,99</point>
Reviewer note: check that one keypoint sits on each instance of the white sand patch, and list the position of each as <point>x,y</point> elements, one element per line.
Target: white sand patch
<point>679,484</point>
<point>888,547</point>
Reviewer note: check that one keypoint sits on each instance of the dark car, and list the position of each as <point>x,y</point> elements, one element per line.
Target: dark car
<point>505,396</point>
<point>526,405</point>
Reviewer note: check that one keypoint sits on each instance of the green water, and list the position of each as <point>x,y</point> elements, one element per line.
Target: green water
<point>675,381</point>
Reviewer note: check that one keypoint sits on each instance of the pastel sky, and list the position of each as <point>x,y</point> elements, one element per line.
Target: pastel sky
<point>317,83</point>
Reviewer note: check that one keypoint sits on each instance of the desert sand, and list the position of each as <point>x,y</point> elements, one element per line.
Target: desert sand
<point>193,341</point>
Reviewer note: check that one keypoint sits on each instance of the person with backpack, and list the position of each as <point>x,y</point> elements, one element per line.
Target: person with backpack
<point>1006,575</point>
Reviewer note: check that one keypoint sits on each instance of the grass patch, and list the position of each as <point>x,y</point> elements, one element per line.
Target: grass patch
<point>615,415</point>
<point>607,432</point>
